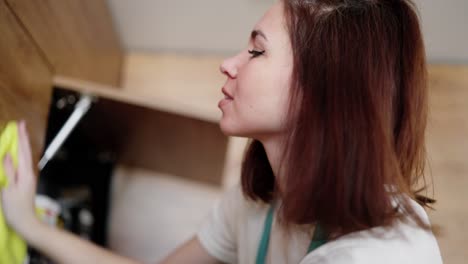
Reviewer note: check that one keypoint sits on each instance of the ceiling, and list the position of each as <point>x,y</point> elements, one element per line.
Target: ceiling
<point>222,26</point>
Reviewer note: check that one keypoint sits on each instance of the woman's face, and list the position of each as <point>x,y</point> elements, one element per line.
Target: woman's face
<point>258,80</point>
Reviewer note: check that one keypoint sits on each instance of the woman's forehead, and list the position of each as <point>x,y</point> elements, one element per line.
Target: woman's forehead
<point>271,25</point>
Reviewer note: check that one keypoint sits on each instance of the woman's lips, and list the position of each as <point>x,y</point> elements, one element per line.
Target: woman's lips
<point>226,100</point>
<point>226,94</point>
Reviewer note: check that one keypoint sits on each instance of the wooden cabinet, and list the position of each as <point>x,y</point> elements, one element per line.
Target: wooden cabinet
<point>43,39</point>
<point>164,116</point>
<point>76,37</point>
<point>25,79</point>
<point>163,107</point>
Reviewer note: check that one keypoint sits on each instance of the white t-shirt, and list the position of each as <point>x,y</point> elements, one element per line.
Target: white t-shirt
<point>233,230</point>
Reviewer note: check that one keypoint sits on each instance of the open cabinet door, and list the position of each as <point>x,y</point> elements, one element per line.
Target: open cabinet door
<point>76,36</point>
<point>25,79</point>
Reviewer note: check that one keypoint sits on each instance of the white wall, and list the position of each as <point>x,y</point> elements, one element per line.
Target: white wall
<point>445,29</point>
<point>207,26</point>
<point>222,26</point>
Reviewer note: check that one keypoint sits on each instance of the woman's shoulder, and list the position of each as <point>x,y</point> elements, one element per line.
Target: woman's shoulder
<point>234,197</point>
<point>402,242</point>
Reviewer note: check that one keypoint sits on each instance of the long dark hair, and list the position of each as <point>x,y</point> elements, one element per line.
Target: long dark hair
<point>357,117</point>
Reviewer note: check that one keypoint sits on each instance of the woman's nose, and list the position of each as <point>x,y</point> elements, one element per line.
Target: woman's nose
<point>229,67</point>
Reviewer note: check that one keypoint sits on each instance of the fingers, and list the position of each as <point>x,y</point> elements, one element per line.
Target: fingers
<point>25,146</point>
<point>25,168</point>
<point>9,169</point>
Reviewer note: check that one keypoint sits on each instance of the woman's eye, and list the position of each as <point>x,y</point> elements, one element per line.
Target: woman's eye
<point>256,53</point>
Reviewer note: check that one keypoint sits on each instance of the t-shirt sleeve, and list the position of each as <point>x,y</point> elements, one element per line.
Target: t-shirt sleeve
<point>218,234</point>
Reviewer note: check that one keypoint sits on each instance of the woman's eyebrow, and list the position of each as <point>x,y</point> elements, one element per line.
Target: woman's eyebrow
<point>257,32</point>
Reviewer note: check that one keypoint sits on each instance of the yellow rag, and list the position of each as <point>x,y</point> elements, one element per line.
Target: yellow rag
<point>12,247</point>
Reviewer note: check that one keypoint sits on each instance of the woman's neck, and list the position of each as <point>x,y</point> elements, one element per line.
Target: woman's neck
<point>274,148</point>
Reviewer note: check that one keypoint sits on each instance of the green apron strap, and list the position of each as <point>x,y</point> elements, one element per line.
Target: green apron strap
<point>319,238</point>
<point>265,240</point>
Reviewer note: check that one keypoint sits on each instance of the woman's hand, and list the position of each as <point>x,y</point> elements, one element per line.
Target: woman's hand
<point>18,196</point>
<point>18,206</point>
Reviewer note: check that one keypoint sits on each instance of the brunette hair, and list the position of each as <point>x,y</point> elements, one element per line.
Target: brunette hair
<point>357,117</point>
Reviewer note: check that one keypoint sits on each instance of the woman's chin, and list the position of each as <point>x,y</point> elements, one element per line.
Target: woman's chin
<point>226,128</point>
<point>229,129</point>
<point>236,132</point>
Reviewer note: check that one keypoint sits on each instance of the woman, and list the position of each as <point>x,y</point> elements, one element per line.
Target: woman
<point>333,95</point>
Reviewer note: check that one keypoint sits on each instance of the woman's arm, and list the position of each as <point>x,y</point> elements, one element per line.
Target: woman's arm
<point>62,247</point>
<point>66,248</point>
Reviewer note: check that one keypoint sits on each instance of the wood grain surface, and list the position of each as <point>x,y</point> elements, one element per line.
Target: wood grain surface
<point>25,80</point>
<point>159,141</point>
<point>187,85</point>
<point>447,140</point>
<point>77,37</point>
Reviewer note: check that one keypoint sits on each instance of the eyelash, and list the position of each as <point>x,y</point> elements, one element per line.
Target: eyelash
<point>256,53</point>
